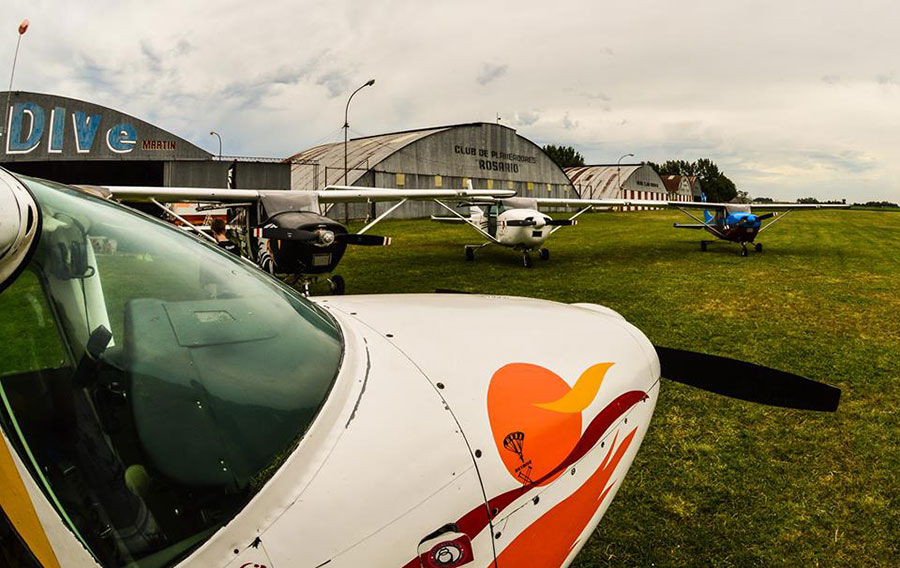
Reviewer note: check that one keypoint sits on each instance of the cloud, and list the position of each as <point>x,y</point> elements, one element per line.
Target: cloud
<point>490,73</point>
<point>831,79</point>
<point>335,82</point>
<point>526,118</point>
<point>568,123</point>
<point>887,80</point>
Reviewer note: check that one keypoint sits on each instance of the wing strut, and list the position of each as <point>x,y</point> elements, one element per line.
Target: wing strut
<point>705,225</point>
<point>775,220</point>
<point>188,225</point>
<point>572,218</point>
<point>382,216</point>
<point>484,233</point>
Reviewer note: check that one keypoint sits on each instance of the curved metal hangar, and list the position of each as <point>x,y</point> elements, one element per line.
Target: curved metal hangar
<point>491,156</point>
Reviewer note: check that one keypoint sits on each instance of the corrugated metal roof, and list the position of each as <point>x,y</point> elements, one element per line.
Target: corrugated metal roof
<point>600,181</point>
<point>362,154</point>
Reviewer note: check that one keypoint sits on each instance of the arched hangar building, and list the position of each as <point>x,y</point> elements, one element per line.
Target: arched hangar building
<point>491,156</point>
<point>73,141</point>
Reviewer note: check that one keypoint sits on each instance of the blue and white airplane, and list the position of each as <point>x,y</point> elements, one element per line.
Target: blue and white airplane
<point>736,222</point>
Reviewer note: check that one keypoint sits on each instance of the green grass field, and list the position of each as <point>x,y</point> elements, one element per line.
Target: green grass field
<point>720,482</point>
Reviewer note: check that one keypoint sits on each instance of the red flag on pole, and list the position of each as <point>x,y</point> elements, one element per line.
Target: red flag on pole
<point>23,27</point>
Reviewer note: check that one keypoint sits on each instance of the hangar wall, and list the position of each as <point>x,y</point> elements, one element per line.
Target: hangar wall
<point>491,155</point>
<point>74,141</point>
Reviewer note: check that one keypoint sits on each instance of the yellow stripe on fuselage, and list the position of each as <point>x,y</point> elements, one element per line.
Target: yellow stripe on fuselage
<point>16,504</point>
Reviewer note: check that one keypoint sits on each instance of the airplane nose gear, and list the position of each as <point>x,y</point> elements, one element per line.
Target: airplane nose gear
<point>337,285</point>
<point>743,249</point>
<point>470,253</point>
<point>703,245</point>
<point>545,254</point>
<point>526,260</point>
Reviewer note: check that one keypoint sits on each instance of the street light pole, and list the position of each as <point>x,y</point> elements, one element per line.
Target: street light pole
<point>216,134</point>
<point>619,172</point>
<point>368,83</point>
<point>23,27</point>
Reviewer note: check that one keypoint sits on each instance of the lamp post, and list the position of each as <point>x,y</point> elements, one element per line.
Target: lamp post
<point>619,172</point>
<point>368,83</point>
<point>23,27</point>
<point>216,134</point>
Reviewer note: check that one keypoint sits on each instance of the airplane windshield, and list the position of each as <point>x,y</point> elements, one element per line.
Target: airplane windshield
<point>151,382</point>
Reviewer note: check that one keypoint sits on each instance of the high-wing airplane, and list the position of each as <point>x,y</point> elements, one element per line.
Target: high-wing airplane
<point>164,403</point>
<point>737,222</point>
<point>518,224</point>
<point>285,232</point>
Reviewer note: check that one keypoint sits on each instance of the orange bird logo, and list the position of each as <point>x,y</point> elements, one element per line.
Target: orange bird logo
<point>536,417</point>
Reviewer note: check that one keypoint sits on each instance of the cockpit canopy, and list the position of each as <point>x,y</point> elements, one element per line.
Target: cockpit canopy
<point>150,381</point>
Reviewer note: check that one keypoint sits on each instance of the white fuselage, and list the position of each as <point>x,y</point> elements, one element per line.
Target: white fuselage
<point>407,441</point>
<point>523,238</point>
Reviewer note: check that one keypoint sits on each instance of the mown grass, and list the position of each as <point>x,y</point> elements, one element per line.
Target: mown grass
<point>721,482</point>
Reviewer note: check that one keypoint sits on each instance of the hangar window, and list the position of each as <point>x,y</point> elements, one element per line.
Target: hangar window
<point>511,184</point>
<point>438,181</point>
<point>531,186</point>
<point>490,184</point>
<point>401,180</point>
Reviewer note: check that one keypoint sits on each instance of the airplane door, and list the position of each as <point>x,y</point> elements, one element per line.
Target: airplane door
<point>492,220</point>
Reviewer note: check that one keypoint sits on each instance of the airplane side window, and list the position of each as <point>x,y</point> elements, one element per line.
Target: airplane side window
<point>157,381</point>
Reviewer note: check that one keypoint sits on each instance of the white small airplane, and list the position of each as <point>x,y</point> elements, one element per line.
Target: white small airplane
<point>517,223</point>
<point>287,232</point>
<point>164,403</point>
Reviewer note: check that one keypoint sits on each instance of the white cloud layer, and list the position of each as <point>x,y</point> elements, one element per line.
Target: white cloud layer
<point>791,99</point>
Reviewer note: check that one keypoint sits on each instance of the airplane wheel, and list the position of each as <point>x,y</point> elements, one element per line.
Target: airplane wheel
<point>337,285</point>
<point>743,251</point>
<point>526,259</point>
<point>470,254</point>
<point>545,254</point>
<point>703,246</point>
<point>758,247</point>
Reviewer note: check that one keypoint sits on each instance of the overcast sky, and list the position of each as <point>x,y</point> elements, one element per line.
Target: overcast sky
<point>791,99</point>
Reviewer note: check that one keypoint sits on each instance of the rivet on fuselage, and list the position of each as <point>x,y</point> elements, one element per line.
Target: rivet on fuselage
<point>477,453</point>
<point>440,385</point>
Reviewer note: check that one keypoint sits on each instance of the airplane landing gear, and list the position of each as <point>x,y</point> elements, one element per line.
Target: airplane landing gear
<point>758,247</point>
<point>337,284</point>
<point>545,254</point>
<point>526,260</point>
<point>703,245</point>
<point>743,249</point>
<point>470,253</point>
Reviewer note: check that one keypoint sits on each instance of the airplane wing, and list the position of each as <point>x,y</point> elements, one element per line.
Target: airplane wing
<point>331,194</point>
<point>762,206</point>
<point>577,202</point>
<point>786,206</point>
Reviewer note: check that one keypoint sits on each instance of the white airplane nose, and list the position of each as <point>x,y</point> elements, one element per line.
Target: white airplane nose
<point>19,222</point>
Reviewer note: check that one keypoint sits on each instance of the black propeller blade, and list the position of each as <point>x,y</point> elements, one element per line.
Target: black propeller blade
<point>282,234</point>
<point>746,381</point>
<point>765,216</point>
<point>363,240</point>
<point>562,222</point>
<point>520,223</point>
